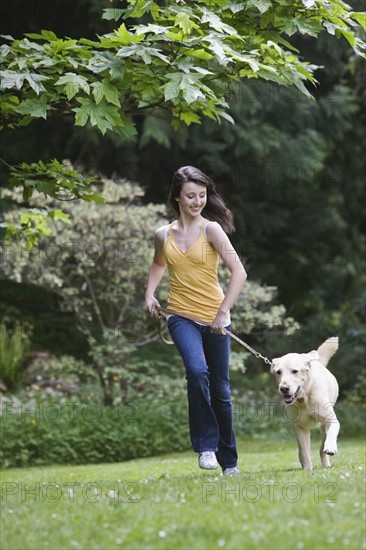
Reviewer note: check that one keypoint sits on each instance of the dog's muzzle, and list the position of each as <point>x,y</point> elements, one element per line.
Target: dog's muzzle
<point>288,399</point>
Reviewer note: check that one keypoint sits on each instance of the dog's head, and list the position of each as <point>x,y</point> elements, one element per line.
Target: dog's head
<point>291,372</point>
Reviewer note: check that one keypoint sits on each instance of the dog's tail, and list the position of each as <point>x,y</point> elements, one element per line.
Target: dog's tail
<point>327,350</point>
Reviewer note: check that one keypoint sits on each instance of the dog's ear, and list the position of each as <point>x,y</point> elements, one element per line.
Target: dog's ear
<point>311,356</point>
<point>273,365</point>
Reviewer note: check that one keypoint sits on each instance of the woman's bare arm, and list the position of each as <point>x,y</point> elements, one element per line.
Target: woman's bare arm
<point>156,273</point>
<point>221,242</point>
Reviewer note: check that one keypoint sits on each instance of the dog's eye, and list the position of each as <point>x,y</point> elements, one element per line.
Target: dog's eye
<point>295,371</point>
<point>279,371</point>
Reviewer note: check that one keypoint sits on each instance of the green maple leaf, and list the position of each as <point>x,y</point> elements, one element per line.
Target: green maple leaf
<point>127,128</point>
<point>171,89</point>
<point>110,92</point>
<point>59,215</point>
<point>124,36</point>
<point>112,13</point>
<point>189,117</point>
<point>35,81</point>
<point>261,5</point>
<point>182,20</point>
<point>189,88</point>
<point>37,108</point>
<point>12,79</point>
<point>103,115</point>
<point>72,83</point>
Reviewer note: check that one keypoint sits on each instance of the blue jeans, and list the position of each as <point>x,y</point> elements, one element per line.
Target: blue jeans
<point>206,360</point>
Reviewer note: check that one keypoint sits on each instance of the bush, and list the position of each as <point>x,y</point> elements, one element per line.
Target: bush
<point>66,367</point>
<point>352,419</point>
<point>69,432</point>
<point>357,394</point>
<point>14,344</point>
<point>262,416</point>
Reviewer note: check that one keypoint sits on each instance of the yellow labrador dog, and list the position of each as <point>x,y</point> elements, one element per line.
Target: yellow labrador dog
<point>310,391</point>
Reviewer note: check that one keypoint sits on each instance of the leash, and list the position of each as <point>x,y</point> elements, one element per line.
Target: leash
<point>165,312</point>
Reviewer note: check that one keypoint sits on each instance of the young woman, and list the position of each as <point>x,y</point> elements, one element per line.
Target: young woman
<point>191,247</point>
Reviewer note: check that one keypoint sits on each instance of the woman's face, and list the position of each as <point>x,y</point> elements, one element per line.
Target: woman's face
<point>192,198</point>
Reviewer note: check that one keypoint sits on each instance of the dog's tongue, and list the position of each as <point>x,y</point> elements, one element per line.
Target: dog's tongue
<point>289,399</point>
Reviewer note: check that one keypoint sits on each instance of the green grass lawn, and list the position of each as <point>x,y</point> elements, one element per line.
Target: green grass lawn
<point>167,502</point>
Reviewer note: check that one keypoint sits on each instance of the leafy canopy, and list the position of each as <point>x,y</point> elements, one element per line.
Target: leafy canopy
<point>182,60</point>
<point>177,60</point>
<point>53,180</point>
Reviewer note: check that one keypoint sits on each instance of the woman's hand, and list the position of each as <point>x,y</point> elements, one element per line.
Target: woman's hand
<point>150,305</point>
<point>218,324</point>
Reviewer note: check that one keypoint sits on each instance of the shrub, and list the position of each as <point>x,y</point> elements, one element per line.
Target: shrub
<point>352,419</point>
<point>69,432</point>
<point>66,367</point>
<point>14,344</point>
<point>357,394</point>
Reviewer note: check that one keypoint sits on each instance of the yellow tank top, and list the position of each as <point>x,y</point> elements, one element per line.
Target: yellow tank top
<point>194,286</point>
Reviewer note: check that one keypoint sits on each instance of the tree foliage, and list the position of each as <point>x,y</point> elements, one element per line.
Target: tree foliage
<point>54,180</point>
<point>182,60</point>
<point>178,59</point>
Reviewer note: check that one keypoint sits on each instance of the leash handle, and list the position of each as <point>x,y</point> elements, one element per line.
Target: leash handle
<point>164,311</point>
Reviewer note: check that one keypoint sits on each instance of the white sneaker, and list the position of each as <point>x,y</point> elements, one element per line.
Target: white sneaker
<point>207,460</point>
<point>231,471</point>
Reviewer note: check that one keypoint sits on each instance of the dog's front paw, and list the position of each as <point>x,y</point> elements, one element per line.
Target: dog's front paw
<point>330,448</point>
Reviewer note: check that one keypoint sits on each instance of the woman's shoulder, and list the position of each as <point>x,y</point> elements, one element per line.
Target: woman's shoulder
<point>213,230</point>
<point>162,232</point>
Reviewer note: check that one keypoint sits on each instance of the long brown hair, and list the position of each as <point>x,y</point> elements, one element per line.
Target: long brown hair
<point>215,209</point>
